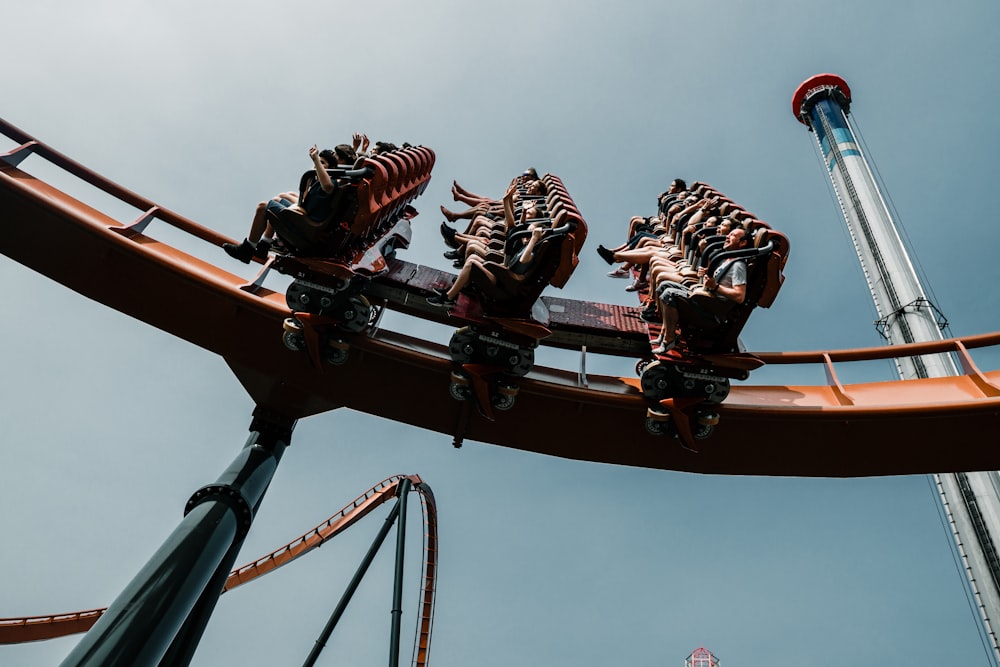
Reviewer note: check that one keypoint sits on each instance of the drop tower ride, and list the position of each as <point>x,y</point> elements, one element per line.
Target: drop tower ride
<point>970,500</point>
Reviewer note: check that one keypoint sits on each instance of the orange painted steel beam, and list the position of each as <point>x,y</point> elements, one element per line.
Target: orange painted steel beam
<point>38,628</point>
<point>315,538</point>
<point>885,428</point>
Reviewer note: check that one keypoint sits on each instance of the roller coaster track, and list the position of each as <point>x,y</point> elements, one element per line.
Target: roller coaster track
<point>830,430</point>
<point>36,628</point>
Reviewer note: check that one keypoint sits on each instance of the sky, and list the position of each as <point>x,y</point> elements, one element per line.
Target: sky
<point>207,108</point>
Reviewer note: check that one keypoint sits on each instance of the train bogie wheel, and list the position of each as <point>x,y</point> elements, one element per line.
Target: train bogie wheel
<point>642,365</point>
<point>459,388</point>
<point>659,423</point>
<point>702,431</point>
<point>708,418</point>
<point>301,298</point>
<point>502,401</point>
<point>504,397</point>
<point>655,381</point>
<point>656,426</point>
<point>705,423</point>
<point>718,391</point>
<point>459,392</point>
<point>295,342</point>
<point>356,314</point>
<point>521,361</point>
<point>336,352</point>
<point>462,345</point>
<point>292,334</point>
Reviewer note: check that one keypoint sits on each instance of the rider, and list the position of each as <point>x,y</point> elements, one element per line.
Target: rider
<point>313,201</point>
<point>728,284</point>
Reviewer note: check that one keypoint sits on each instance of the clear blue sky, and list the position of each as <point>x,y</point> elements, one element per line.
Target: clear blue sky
<point>209,107</point>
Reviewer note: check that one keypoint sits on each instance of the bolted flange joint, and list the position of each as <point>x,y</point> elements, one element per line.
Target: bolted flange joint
<point>225,494</point>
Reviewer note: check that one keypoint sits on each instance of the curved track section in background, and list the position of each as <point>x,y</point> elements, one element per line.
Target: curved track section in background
<point>37,628</point>
<point>830,430</point>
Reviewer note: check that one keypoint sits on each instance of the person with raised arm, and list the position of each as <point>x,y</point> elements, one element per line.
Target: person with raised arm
<point>313,202</point>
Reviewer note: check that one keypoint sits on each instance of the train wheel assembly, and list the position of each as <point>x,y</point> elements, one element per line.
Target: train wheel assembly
<point>468,346</point>
<point>352,311</point>
<point>663,380</point>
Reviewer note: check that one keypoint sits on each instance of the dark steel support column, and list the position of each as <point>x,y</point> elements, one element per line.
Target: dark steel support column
<point>397,587</point>
<point>178,587</point>
<point>185,642</point>
<point>352,586</point>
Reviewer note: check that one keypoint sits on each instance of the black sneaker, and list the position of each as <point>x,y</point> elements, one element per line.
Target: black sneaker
<point>606,254</point>
<point>262,248</point>
<point>650,315</point>
<point>448,234</point>
<point>243,252</point>
<point>440,301</point>
<point>453,254</point>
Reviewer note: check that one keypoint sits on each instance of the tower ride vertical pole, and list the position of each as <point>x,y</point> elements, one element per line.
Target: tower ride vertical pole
<point>970,500</point>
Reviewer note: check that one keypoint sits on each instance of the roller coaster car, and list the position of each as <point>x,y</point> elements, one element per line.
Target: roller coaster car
<point>369,215</point>
<point>333,261</point>
<point>505,320</point>
<point>684,384</point>
<point>332,292</point>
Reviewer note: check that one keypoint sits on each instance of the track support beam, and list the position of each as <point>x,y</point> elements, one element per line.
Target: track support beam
<point>397,586</point>
<point>160,616</point>
<point>398,510</point>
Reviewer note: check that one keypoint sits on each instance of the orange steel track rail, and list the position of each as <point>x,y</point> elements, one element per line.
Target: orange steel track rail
<point>36,628</point>
<point>832,430</point>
